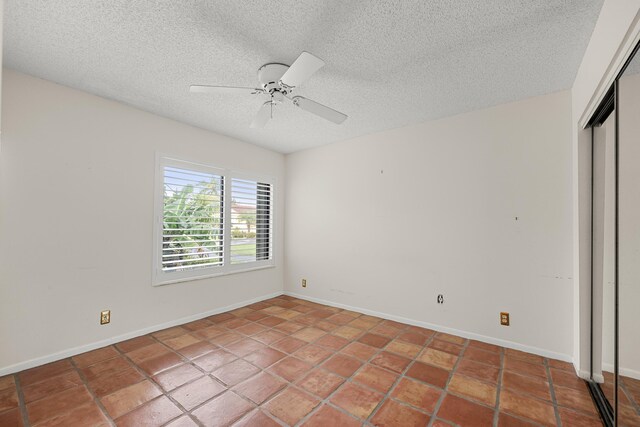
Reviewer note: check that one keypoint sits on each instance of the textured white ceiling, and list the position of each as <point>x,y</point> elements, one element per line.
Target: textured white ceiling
<point>388,63</point>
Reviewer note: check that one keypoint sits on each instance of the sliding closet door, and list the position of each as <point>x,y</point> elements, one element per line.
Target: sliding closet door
<point>628,114</point>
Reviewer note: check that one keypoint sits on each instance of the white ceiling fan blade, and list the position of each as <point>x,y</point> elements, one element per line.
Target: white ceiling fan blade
<point>263,116</point>
<point>222,89</point>
<point>301,69</point>
<point>319,109</point>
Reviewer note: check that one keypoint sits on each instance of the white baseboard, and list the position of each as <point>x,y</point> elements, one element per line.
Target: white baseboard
<point>439,328</point>
<point>625,372</point>
<point>113,340</point>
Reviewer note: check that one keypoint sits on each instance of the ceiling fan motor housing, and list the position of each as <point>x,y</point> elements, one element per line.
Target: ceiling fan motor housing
<point>269,76</point>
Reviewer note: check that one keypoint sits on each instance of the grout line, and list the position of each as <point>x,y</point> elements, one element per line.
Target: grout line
<point>21,403</point>
<point>83,378</point>
<point>496,415</point>
<point>553,393</point>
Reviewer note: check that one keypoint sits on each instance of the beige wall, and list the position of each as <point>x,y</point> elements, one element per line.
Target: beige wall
<point>460,182</point>
<point>76,210</point>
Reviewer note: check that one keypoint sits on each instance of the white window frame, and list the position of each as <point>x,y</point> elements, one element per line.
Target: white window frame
<point>160,277</point>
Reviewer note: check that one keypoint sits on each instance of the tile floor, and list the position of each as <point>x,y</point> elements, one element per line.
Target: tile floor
<point>628,398</point>
<point>287,361</point>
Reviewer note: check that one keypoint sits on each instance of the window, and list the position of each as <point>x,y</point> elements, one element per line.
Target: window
<point>210,221</point>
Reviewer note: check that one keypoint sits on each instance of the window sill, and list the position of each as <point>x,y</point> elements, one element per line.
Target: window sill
<point>208,276</point>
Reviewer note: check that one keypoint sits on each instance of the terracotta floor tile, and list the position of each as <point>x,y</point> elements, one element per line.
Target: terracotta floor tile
<point>198,349</point>
<point>219,318</point>
<point>451,338</point>
<point>347,332</point>
<point>183,421</point>
<point>251,329</point>
<point>523,384</point>
<point>403,348</point>
<point>340,319</point>
<point>235,372</point>
<point>332,342</point>
<point>287,314</point>
<point>422,331</point>
<point>320,382</point>
<point>342,365</point>
<point>260,387</point>
<point>196,325</point>
<point>210,332</point>
<point>292,327</point>
<point>135,343</point>
<point>437,358</point>
<point>446,346</point>
<point>385,330</point>
<point>526,357</point>
<point>270,321</point>
<point>524,368</point>
<point>147,352</point>
<point>175,377</point>
<point>212,361</point>
<point>374,340</point>
<point>11,418</point>
<point>506,420</point>
<point>58,404</point>
<point>291,368</point>
<point>527,407</point>
<point>255,316</point>
<point>566,379</point>
<point>257,419</point>
<point>356,400</point>
<point>571,418</point>
<point>309,334</point>
<point>391,361</point>
<point>161,363</point>
<point>269,336</point>
<point>473,389</point>
<point>375,378</point>
<point>359,351</point>
<point>8,399</point>
<point>182,341</point>
<point>575,399</point>
<point>484,346</point>
<point>226,339</point>
<point>429,374</point>
<point>329,416</point>
<point>265,358</point>
<point>292,405</point>
<point>128,398</point>
<point>86,415</point>
<point>222,411</point>
<point>7,382</point>
<point>155,413</point>
<point>44,372</point>
<point>558,364</point>
<point>289,344</point>
<point>465,412</point>
<point>235,323</point>
<point>478,370</point>
<point>242,311</point>
<point>197,392</point>
<point>413,338</point>
<point>245,346</point>
<point>313,354</point>
<point>394,414</point>
<point>107,367</point>
<point>48,387</point>
<point>481,356</point>
<point>168,333</point>
<point>628,416</point>
<point>108,384</point>
<point>417,394</point>
<point>86,359</point>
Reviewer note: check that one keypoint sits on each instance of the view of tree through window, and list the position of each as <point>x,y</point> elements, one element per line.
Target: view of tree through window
<point>250,224</point>
<point>192,235</point>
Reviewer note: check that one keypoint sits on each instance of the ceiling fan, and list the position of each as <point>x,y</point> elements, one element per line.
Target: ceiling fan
<point>279,81</point>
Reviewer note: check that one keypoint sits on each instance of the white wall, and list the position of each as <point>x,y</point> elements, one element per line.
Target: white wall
<point>614,36</point>
<point>76,209</point>
<point>387,221</point>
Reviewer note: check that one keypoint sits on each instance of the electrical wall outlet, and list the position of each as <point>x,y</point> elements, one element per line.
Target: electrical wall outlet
<point>105,317</point>
<point>440,299</point>
<point>504,318</point>
<point>304,283</point>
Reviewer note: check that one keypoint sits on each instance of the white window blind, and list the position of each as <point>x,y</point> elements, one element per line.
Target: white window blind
<point>192,231</point>
<point>251,230</point>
